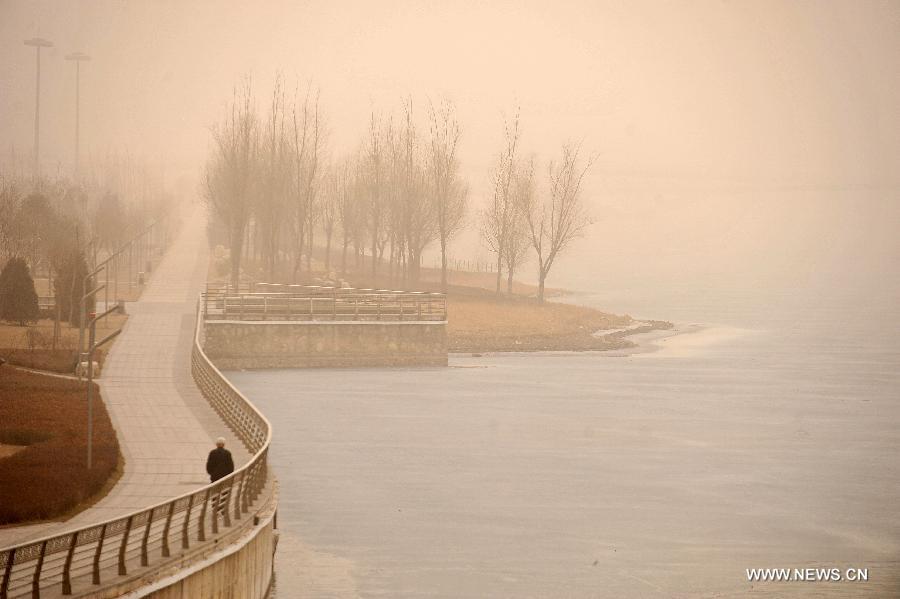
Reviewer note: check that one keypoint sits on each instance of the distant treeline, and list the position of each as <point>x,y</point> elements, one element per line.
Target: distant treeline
<point>46,221</point>
<point>271,179</point>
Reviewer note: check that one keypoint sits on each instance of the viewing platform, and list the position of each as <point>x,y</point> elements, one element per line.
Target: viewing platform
<point>269,301</point>
<point>300,326</point>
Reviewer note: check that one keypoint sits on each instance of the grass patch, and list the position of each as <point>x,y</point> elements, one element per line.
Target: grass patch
<point>60,360</point>
<point>32,346</point>
<point>480,321</point>
<point>53,360</point>
<point>49,477</point>
<point>486,323</point>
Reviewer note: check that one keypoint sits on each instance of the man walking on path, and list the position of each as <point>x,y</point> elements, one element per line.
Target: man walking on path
<point>219,463</point>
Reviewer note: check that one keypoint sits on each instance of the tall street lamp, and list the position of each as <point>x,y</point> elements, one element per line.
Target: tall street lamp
<point>38,43</point>
<point>77,58</point>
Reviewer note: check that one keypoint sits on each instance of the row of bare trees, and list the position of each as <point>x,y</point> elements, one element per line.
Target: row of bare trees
<point>271,179</point>
<point>519,218</point>
<point>272,183</point>
<point>42,221</point>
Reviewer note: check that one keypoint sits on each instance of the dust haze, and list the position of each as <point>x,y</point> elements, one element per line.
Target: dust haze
<point>721,396</point>
<point>741,142</point>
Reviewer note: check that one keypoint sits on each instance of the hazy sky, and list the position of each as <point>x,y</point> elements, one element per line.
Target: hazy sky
<point>689,105</point>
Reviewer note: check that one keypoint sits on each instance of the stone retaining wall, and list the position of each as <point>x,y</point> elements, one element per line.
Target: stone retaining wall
<point>324,344</point>
<point>241,571</point>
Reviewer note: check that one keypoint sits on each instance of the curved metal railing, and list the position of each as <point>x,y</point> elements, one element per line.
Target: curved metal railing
<point>80,560</point>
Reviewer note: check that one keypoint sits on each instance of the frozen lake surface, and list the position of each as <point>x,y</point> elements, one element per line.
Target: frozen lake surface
<point>763,442</point>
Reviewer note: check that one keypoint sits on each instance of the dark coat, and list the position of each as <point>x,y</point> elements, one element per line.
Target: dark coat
<point>219,464</point>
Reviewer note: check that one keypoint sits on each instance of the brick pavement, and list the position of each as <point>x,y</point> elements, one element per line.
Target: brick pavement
<point>165,426</point>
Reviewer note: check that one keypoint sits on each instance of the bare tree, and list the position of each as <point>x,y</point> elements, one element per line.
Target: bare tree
<point>348,210</point>
<point>307,145</point>
<point>336,194</point>
<point>419,222</point>
<point>518,238</point>
<point>109,222</point>
<point>314,182</point>
<point>497,219</point>
<point>360,209</point>
<point>375,159</point>
<point>394,199</point>
<point>230,171</point>
<point>397,192</point>
<point>10,198</point>
<point>313,206</point>
<point>562,216</point>
<point>449,193</point>
<point>274,174</point>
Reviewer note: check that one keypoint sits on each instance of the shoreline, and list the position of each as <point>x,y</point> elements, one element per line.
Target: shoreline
<point>644,342</point>
<point>486,325</point>
<point>481,322</point>
<point>687,340</point>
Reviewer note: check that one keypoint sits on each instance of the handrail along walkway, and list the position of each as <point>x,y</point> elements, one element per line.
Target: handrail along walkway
<point>152,537</point>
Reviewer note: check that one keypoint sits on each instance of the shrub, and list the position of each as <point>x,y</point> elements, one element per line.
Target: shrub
<point>49,477</point>
<point>18,299</point>
<point>22,437</point>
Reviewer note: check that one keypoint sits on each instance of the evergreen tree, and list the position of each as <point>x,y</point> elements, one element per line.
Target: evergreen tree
<point>67,287</point>
<point>18,299</point>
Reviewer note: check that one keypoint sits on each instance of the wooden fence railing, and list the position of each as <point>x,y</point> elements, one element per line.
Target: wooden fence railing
<point>152,538</point>
<point>324,303</point>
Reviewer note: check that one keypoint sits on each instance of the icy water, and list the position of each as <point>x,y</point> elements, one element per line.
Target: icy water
<point>767,436</point>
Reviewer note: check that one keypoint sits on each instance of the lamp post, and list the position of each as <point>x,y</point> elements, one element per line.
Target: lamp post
<point>83,308</point>
<point>37,43</point>
<point>77,58</point>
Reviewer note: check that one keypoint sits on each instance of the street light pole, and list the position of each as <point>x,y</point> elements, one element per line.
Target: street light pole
<point>77,58</point>
<point>83,308</point>
<point>38,43</point>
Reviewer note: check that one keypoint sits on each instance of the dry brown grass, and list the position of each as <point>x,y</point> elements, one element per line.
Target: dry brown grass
<point>49,477</point>
<point>60,360</point>
<point>486,323</point>
<point>12,335</point>
<point>32,346</point>
<point>479,321</point>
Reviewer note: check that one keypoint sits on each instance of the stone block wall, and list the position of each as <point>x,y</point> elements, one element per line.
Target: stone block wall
<point>324,344</point>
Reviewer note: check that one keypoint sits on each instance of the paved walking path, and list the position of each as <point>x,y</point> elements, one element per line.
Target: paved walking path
<point>165,426</point>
